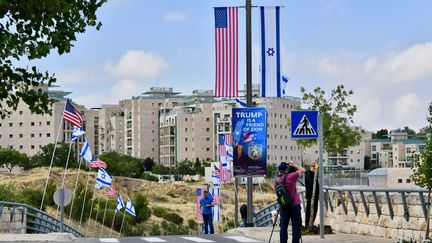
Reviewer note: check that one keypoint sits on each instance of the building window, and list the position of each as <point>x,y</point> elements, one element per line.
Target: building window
<point>374,148</point>
<point>185,139</point>
<point>21,147</point>
<point>185,129</point>
<point>48,135</point>
<point>207,139</point>
<point>186,149</point>
<point>207,129</point>
<point>10,135</point>
<point>408,180</point>
<point>32,147</point>
<point>10,124</point>
<point>21,135</point>
<point>10,147</point>
<point>20,124</point>
<point>207,149</point>
<point>32,135</point>
<point>40,135</point>
<point>207,119</point>
<point>40,123</point>
<point>399,180</point>
<point>32,124</point>
<point>48,123</point>
<point>20,112</point>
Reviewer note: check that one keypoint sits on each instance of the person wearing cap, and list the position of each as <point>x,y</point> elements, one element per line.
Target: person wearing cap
<point>293,212</point>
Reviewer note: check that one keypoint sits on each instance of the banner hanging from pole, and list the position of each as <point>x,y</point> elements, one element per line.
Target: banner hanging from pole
<point>249,141</point>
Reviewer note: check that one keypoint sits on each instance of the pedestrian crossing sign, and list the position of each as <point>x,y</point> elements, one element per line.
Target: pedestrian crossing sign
<point>304,124</point>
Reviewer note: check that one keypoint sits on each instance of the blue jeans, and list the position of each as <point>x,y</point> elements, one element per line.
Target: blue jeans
<point>292,213</point>
<point>208,221</point>
<point>244,222</point>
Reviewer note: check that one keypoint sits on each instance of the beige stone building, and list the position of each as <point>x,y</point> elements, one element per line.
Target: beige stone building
<point>397,151</point>
<point>350,158</point>
<point>28,132</point>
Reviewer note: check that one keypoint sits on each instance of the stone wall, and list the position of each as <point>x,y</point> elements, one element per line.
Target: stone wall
<point>13,220</point>
<point>383,226</point>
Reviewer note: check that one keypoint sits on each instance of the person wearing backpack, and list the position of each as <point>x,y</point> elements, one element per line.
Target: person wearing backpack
<point>289,209</point>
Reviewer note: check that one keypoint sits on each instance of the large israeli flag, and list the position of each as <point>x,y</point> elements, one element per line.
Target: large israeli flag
<point>270,52</point>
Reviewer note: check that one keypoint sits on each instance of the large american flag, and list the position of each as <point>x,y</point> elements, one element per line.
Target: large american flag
<point>97,163</point>
<point>226,43</point>
<point>72,115</point>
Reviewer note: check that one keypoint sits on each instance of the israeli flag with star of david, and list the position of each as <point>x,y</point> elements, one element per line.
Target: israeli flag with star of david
<point>271,76</point>
<point>103,178</point>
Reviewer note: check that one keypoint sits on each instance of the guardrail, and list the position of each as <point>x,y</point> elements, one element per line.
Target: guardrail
<point>374,192</point>
<point>37,221</point>
<point>264,218</point>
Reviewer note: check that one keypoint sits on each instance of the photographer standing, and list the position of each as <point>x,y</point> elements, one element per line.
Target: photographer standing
<point>293,212</point>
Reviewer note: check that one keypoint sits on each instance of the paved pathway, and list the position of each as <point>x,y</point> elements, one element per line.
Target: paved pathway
<point>263,234</point>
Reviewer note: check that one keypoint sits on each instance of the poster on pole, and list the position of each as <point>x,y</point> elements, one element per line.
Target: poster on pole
<point>249,141</point>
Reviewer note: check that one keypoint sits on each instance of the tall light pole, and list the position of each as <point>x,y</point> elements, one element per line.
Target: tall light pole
<point>249,99</point>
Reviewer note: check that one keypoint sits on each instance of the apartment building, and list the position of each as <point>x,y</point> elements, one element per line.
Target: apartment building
<point>28,132</point>
<point>397,151</point>
<point>350,158</point>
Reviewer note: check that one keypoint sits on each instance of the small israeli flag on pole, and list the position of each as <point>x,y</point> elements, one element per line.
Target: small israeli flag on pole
<point>130,208</point>
<point>120,203</point>
<point>240,103</point>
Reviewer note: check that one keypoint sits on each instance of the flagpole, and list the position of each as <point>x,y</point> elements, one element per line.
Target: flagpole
<point>76,185</point>
<point>64,173</point>
<point>103,220</point>
<point>112,224</point>
<point>52,157</point>
<point>85,197</point>
<point>249,100</point>
<point>97,214</point>
<point>121,227</point>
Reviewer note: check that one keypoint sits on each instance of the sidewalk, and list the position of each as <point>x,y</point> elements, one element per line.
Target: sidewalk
<point>263,233</point>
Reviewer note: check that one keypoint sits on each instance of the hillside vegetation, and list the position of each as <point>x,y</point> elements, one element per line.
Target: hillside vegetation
<point>172,204</point>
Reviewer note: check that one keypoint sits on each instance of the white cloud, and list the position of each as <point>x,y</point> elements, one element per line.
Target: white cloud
<point>139,64</point>
<point>410,65</point>
<point>174,16</point>
<point>406,107</point>
<point>123,89</point>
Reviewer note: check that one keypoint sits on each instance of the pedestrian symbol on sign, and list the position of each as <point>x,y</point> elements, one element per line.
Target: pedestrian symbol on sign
<point>304,127</point>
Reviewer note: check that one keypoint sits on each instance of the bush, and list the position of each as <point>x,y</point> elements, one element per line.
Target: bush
<point>149,177</point>
<point>159,212</point>
<point>7,194</point>
<point>155,230</point>
<point>192,224</point>
<point>173,217</point>
<point>32,197</point>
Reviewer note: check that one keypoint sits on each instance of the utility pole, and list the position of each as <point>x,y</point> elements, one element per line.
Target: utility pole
<point>249,99</point>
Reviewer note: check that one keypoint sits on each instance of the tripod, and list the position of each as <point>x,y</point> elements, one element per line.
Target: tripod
<point>274,223</point>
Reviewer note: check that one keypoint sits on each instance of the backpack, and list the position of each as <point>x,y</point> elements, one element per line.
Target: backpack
<point>283,197</point>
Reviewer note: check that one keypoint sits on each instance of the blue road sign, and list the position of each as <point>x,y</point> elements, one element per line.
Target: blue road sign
<point>304,124</point>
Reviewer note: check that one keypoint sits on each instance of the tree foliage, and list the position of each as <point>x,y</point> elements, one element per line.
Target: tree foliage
<point>31,30</point>
<point>122,165</point>
<point>148,164</point>
<point>10,158</point>
<point>337,115</point>
<point>44,156</point>
<point>381,134</point>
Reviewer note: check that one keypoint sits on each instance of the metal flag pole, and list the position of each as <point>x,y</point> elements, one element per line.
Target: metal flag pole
<point>64,173</point>
<point>321,174</point>
<point>103,220</point>
<point>112,224</point>
<point>85,197</point>
<point>121,227</point>
<point>52,157</point>
<point>249,99</point>
<point>76,185</point>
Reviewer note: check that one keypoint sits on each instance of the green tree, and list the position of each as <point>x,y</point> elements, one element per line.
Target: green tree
<point>43,157</point>
<point>143,211</point>
<point>381,134</point>
<point>122,165</point>
<point>422,171</point>
<point>148,164</point>
<point>337,115</point>
<point>31,30</point>
<point>409,131</point>
<point>11,158</point>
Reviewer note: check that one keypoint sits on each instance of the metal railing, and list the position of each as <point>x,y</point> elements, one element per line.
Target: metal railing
<point>375,192</point>
<point>37,221</point>
<point>369,197</point>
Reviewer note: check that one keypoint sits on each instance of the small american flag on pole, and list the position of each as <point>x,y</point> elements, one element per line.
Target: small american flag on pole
<point>97,163</point>
<point>111,192</point>
<point>72,115</point>
<point>226,43</point>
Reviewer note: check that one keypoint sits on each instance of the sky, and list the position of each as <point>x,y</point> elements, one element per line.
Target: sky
<point>381,50</point>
